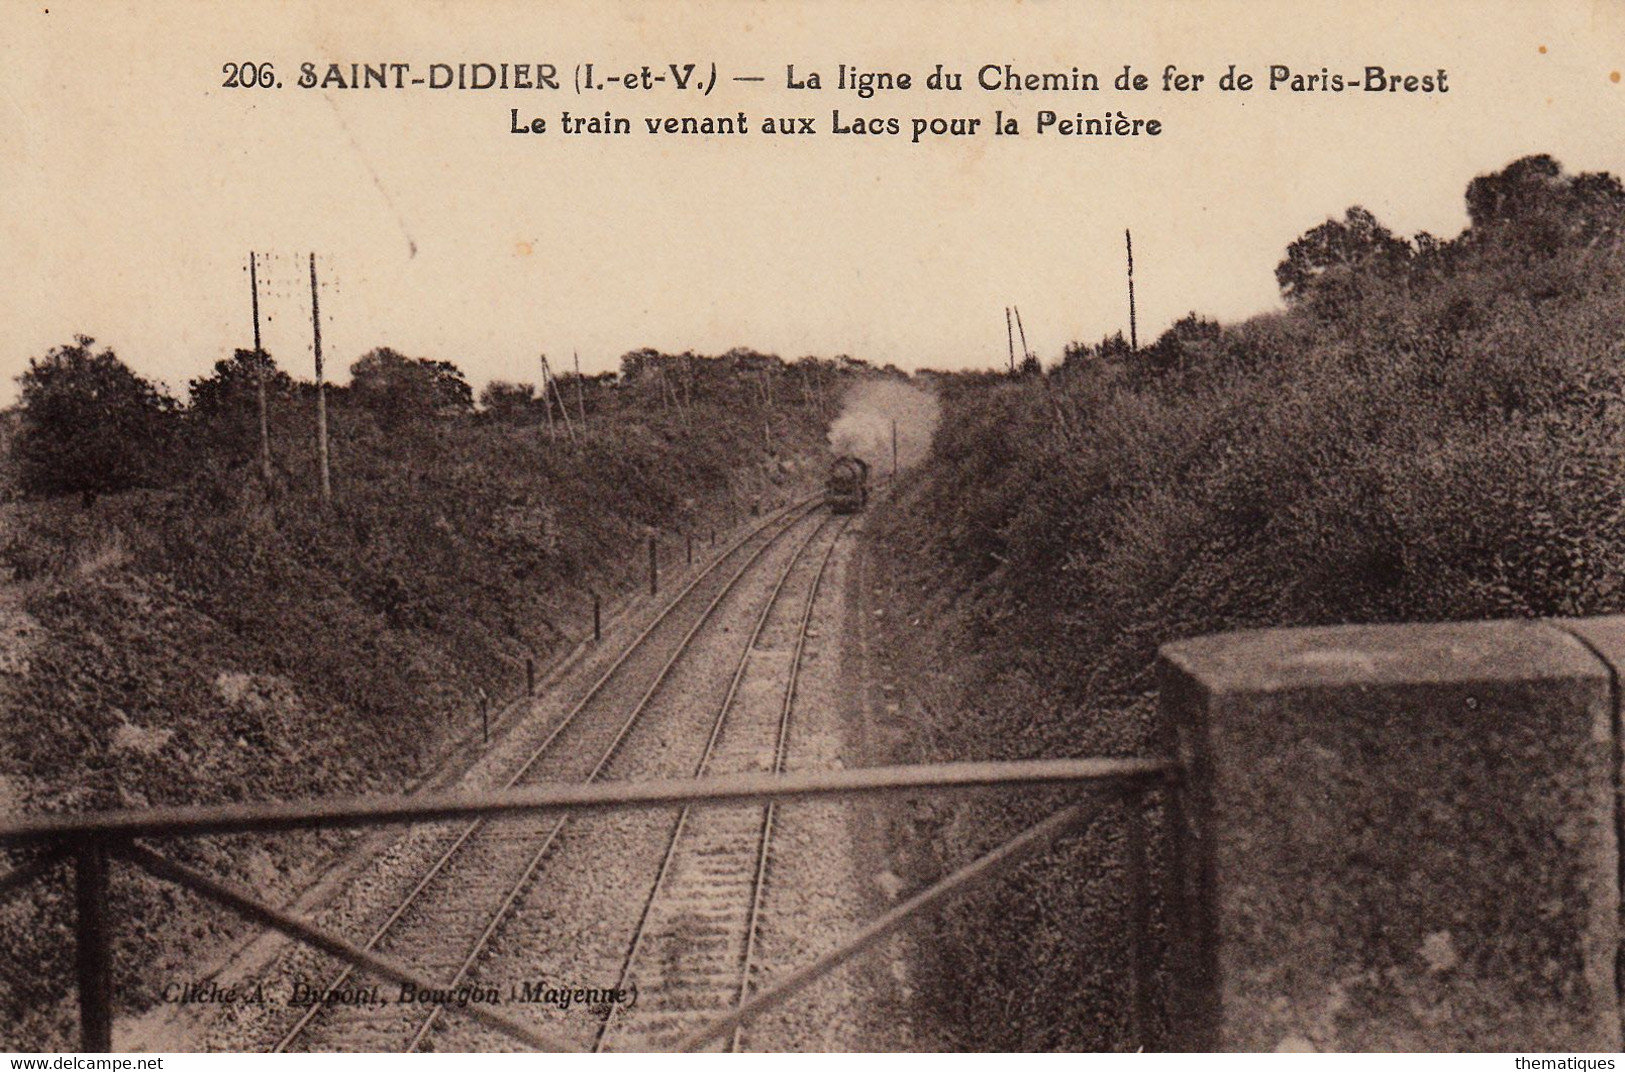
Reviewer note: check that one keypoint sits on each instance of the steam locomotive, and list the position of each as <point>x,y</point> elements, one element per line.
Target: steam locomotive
<point>847,490</point>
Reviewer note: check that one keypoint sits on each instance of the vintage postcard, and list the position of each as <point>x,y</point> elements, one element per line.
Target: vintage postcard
<point>984,525</point>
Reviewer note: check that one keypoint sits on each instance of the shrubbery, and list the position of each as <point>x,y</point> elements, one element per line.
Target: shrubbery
<point>209,637</point>
<point>89,425</point>
<point>1433,430</point>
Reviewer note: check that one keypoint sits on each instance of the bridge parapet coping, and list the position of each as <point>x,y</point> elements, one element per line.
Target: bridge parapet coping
<point>1400,837</point>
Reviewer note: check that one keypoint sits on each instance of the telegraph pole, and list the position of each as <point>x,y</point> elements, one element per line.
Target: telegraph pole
<point>564,411</point>
<point>547,403</point>
<point>1025,353</point>
<point>321,388</point>
<point>767,412</point>
<point>1010,337</point>
<point>259,374</point>
<point>1133,335</point>
<point>581,402</point>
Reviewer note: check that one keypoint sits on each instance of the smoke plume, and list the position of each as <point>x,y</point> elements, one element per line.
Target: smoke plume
<point>864,427</point>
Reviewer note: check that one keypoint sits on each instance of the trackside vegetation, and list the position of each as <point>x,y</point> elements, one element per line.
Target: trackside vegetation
<point>1431,429</point>
<point>176,628</point>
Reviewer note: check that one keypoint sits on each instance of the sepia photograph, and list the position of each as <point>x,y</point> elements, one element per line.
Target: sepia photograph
<point>948,527</point>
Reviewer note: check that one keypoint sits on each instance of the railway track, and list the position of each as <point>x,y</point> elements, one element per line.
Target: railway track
<point>693,953</point>
<point>629,919</point>
<point>461,906</point>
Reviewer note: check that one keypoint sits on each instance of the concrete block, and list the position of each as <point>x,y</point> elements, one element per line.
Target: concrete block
<point>1397,838</point>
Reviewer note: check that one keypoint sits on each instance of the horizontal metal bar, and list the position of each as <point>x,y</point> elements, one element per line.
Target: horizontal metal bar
<point>978,870</point>
<point>585,797</point>
<point>19,877</point>
<point>260,912</point>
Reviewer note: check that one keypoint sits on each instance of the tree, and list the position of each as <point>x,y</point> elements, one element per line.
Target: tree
<point>1113,348</point>
<point>1519,191</point>
<point>229,389</point>
<point>402,390</point>
<point>1338,250</point>
<point>1187,342</point>
<point>89,424</point>
<point>224,413</point>
<point>511,402</point>
<point>1533,207</point>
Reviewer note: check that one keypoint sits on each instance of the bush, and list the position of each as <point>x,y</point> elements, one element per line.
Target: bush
<point>1433,437</point>
<point>261,647</point>
<point>89,425</point>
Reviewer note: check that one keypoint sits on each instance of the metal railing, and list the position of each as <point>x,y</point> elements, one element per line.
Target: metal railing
<point>92,841</point>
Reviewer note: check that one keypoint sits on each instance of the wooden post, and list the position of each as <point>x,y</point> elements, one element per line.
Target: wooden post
<point>682,411</point>
<point>1133,331</point>
<point>321,389</point>
<point>259,374</point>
<point>485,715</point>
<point>93,949</point>
<point>1025,353</point>
<point>597,620</point>
<point>654,567</point>
<point>767,413</point>
<point>547,402</point>
<point>564,411</point>
<point>1010,338</point>
<point>530,676</point>
<point>894,448</point>
<point>581,402</point>
<point>690,549</point>
<point>254,292</point>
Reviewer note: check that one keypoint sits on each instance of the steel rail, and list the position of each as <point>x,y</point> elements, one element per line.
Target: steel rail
<point>552,835</point>
<point>700,768</point>
<point>979,870</point>
<point>553,735</point>
<point>780,755</point>
<point>246,906</point>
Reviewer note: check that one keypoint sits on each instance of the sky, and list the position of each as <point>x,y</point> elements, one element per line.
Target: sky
<point>133,184</point>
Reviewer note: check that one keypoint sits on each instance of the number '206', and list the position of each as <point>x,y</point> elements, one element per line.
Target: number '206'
<point>249,76</point>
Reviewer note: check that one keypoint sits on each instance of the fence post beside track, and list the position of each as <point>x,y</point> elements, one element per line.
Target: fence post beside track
<point>654,567</point>
<point>530,676</point>
<point>597,618</point>
<point>93,947</point>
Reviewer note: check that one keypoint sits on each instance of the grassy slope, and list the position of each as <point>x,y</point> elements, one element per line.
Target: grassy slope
<point>1448,447</point>
<point>197,643</point>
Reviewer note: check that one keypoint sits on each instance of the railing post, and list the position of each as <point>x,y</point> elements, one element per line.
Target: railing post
<point>1141,966</point>
<point>1192,1000</point>
<point>597,618</point>
<point>1365,803</point>
<point>530,676</point>
<point>1177,910</point>
<point>654,567</point>
<point>93,948</point>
